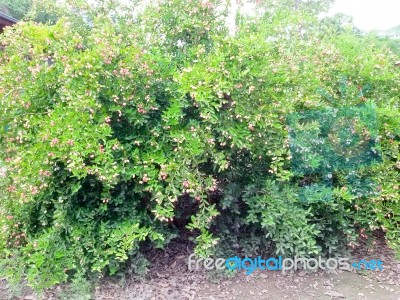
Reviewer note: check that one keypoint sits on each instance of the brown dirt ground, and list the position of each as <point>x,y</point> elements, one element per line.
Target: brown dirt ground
<point>169,278</point>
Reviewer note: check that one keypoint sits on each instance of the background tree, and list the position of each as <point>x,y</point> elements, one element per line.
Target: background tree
<point>21,9</point>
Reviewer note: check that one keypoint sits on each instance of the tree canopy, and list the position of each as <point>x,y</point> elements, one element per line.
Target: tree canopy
<point>21,9</point>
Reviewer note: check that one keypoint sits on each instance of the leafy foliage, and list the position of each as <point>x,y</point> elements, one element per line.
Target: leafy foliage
<point>21,9</point>
<point>114,127</point>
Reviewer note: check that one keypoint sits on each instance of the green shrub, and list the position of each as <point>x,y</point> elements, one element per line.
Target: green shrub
<point>116,129</point>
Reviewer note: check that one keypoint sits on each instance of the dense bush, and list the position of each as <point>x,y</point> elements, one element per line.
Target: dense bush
<point>117,129</point>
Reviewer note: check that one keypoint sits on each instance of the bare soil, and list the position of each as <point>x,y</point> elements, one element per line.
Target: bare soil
<point>169,278</point>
